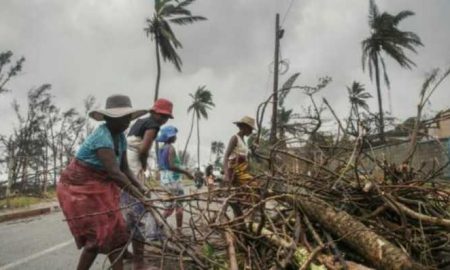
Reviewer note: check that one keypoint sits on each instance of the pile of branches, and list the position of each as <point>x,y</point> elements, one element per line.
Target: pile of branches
<point>320,218</point>
<point>345,208</point>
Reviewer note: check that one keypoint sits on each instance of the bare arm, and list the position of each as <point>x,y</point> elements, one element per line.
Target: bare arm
<point>231,145</point>
<point>131,176</point>
<point>146,145</point>
<point>109,162</point>
<point>173,167</point>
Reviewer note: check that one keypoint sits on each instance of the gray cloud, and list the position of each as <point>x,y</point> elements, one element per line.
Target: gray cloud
<point>99,47</point>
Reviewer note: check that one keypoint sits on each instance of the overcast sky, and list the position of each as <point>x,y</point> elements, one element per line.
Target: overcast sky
<point>99,47</point>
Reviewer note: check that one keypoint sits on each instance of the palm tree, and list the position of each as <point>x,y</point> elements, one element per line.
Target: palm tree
<point>201,103</point>
<point>284,117</point>
<point>386,37</point>
<point>357,95</point>
<point>217,148</point>
<point>158,27</point>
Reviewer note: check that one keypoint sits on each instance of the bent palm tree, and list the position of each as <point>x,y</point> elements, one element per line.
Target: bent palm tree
<point>201,103</point>
<point>387,38</point>
<point>158,27</point>
<point>357,95</point>
<point>217,148</point>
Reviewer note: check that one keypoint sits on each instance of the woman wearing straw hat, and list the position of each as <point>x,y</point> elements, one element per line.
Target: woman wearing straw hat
<point>88,189</point>
<point>236,158</point>
<point>237,153</point>
<point>140,139</point>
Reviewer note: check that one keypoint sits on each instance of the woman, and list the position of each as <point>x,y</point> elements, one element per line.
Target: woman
<point>210,178</point>
<point>236,159</point>
<point>89,188</point>
<point>140,140</point>
<point>170,173</point>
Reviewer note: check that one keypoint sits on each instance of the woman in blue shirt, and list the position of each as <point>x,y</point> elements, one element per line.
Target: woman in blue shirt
<point>170,173</point>
<point>89,188</point>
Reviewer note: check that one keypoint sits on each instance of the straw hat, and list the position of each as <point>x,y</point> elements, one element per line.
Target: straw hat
<point>246,120</point>
<point>117,106</point>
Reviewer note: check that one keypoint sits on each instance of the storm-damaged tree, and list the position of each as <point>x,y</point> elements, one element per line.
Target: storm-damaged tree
<point>43,136</point>
<point>217,148</point>
<point>5,77</point>
<point>357,96</point>
<point>201,103</point>
<point>285,115</point>
<point>30,156</point>
<point>158,28</point>
<point>13,70</point>
<point>386,37</point>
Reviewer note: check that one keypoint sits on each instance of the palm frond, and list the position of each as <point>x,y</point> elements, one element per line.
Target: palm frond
<point>373,12</point>
<point>398,55</point>
<point>168,53</point>
<point>166,30</point>
<point>187,20</point>
<point>186,3</point>
<point>402,15</point>
<point>286,88</point>
<point>171,10</point>
<point>160,4</point>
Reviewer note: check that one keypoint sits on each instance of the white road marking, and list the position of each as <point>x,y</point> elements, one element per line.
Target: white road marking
<point>35,255</point>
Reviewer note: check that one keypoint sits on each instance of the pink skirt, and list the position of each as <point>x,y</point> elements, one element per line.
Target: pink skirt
<point>90,203</point>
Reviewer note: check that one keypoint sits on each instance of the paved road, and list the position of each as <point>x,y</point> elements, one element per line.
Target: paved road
<point>43,242</point>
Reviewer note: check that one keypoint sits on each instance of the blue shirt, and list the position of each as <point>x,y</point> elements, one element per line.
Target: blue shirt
<point>166,175</point>
<point>100,138</point>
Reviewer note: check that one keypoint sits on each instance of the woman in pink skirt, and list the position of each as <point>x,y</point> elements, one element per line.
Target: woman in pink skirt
<point>89,188</point>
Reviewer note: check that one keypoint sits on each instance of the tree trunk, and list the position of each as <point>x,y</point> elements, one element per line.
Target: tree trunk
<point>374,248</point>
<point>10,173</point>
<point>158,69</point>
<point>189,138</point>
<point>24,174</point>
<point>380,99</point>
<point>198,141</point>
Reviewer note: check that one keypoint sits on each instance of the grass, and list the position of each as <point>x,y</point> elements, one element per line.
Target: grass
<point>21,201</point>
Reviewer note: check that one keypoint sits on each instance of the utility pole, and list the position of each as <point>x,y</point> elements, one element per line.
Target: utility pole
<point>278,35</point>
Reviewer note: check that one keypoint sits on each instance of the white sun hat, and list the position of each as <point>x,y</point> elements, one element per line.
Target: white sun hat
<point>117,106</point>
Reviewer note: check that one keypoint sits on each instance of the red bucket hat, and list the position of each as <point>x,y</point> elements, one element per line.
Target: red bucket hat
<point>162,106</point>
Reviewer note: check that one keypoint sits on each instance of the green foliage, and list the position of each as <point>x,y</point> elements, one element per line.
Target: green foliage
<point>201,103</point>
<point>19,202</point>
<point>388,38</point>
<point>158,27</point>
<point>5,60</point>
<point>219,259</point>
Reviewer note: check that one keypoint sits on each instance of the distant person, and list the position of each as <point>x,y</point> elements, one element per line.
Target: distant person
<point>140,140</point>
<point>198,178</point>
<point>209,176</point>
<point>236,159</point>
<point>89,187</point>
<point>170,174</point>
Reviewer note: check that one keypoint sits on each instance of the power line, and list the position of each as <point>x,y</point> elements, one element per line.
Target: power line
<point>287,12</point>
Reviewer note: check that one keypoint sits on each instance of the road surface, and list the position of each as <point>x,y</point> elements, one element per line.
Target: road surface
<point>44,242</point>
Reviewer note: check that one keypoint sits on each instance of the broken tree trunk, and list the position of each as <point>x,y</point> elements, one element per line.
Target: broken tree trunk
<point>374,248</point>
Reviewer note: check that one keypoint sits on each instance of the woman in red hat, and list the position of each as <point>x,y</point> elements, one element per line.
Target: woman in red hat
<point>140,140</point>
